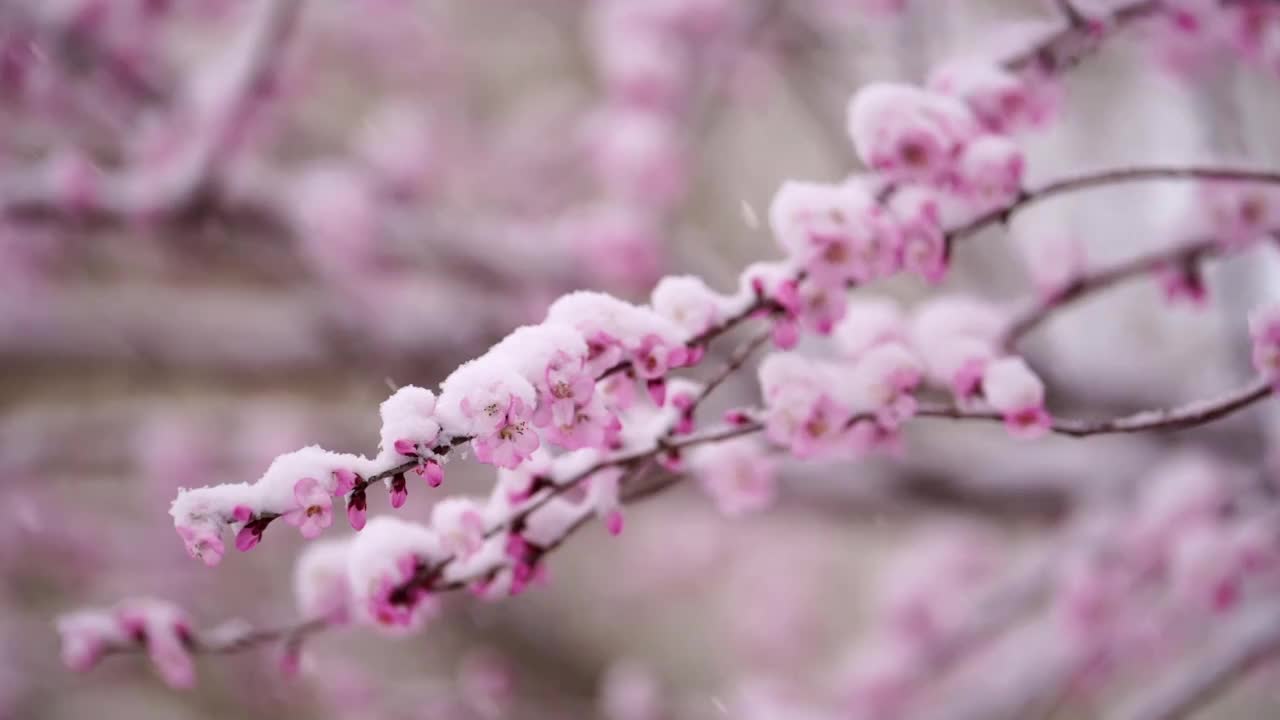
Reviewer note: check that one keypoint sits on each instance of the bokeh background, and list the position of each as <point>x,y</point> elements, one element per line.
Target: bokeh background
<point>413,178</point>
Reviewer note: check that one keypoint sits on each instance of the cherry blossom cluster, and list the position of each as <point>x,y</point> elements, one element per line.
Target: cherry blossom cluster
<point>858,403</point>
<point>572,411</point>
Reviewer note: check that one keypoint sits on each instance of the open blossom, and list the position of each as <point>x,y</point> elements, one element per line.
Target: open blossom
<point>566,386</point>
<point>908,133</point>
<point>1018,394</point>
<point>738,475</point>
<point>314,512</point>
<point>989,174</point>
<point>591,425</point>
<point>688,302</point>
<point>837,232</point>
<point>1264,328</point>
<point>512,442</point>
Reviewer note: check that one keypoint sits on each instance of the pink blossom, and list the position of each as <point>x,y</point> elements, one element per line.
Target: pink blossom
<point>800,412</point>
<point>591,426</point>
<point>655,356</point>
<point>687,301</point>
<point>315,508</point>
<point>460,524</point>
<point>837,233</point>
<point>990,172</point>
<point>512,442</point>
<point>923,243</point>
<point>1183,282</point>
<point>1264,329</point>
<point>166,632</point>
<point>1017,393</point>
<point>821,307</point>
<point>567,386</point>
<point>908,133</point>
<point>1002,101</point>
<point>869,322</point>
<point>882,383</point>
<point>86,636</point>
<point>357,510</point>
<point>203,541</point>
<point>738,475</point>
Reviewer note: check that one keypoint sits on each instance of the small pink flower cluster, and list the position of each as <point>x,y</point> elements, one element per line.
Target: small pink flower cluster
<point>1264,329</point>
<point>930,589</point>
<point>538,385</point>
<point>160,627</point>
<point>1180,541</point>
<point>1188,34</point>
<point>859,404</point>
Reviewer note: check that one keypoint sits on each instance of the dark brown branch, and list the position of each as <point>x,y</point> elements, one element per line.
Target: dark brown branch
<point>1106,178</point>
<point>1100,279</point>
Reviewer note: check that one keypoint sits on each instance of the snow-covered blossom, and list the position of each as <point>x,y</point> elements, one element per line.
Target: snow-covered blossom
<point>688,302</point>
<point>738,475</point>
<point>868,322</point>
<point>1017,393</point>
<point>409,425</point>
<point>908,133</point>
<point>923,243</point>
<point>882,382</point>
<point>837,232</point>
<point>383,558</point>
<point>616,330</point>
<point>800,410</point>
<point>320,585</point>
<point>989,174</point>
<point>459,523</point>
<point>1002,101</point>
<point>956,337</point>
<point>488,400</point>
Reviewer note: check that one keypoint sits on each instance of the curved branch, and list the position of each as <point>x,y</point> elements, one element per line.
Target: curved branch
<point>1186,416</point>
<point>1101,279</point>
<point>1104,178</point>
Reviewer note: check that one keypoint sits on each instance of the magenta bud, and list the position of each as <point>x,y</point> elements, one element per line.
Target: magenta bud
<point>433,472</point>
<point>248,537</point>
<point>613,522</point>
<point>357,510</point>
<point>406,447</point>
<point>657,391</point>
<point>346,481</point>
<point>737,416</point>
<point>399,491</point>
